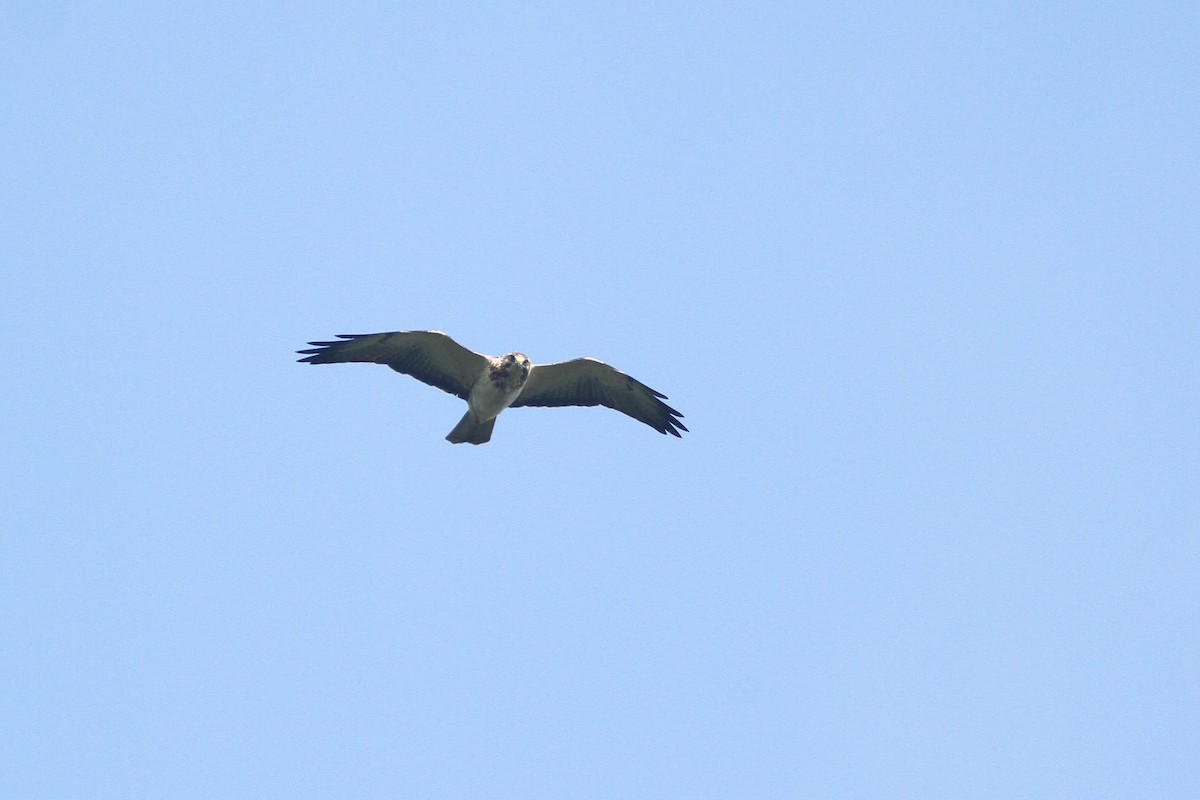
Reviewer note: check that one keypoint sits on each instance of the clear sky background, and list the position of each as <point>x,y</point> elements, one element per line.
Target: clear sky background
<point>923,277</point>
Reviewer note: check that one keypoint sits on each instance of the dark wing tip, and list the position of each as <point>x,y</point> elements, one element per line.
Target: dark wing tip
<point>662,418</point>
<point>669,416</point>
<point>671,423</point>
<point>314,353</point>
<point>319,348</point>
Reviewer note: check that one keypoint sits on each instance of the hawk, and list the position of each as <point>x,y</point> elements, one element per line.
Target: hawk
<point>491,384</point>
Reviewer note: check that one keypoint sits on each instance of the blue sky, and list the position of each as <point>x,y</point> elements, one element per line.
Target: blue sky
<point>923,279</point>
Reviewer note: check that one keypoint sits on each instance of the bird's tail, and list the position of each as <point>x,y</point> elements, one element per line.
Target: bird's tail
<point>471,431</point>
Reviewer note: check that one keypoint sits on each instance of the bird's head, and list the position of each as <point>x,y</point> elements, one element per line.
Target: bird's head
<point>512,368</point>
<point>521,362</point>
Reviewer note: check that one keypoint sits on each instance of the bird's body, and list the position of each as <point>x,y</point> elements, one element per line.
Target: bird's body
<point>493,391</point>
<point>491,384</point>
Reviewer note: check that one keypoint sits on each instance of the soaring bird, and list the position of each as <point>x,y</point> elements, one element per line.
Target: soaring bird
<point>491,384</point>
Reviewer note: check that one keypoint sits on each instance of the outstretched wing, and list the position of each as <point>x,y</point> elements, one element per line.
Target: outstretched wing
<point>588,382</point>
<point>429,356</point>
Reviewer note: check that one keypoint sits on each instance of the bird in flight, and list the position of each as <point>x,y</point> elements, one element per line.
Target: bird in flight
<point>491,384</point>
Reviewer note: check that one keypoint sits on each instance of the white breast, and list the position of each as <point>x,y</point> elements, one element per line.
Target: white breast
<point>486,400</point>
